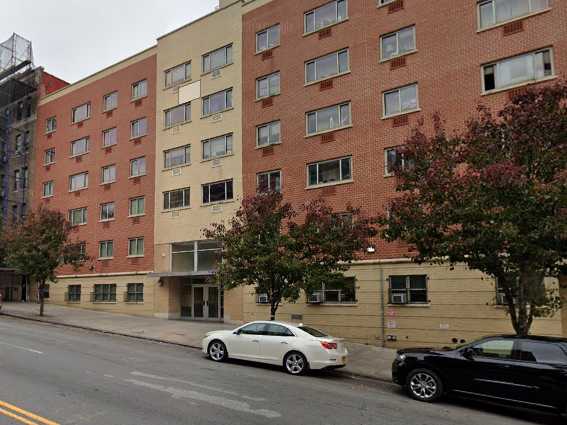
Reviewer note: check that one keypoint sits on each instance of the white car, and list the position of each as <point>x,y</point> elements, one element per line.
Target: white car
<point>297,348</point>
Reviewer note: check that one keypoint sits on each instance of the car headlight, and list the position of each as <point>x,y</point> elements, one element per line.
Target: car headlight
<point>400,357</point>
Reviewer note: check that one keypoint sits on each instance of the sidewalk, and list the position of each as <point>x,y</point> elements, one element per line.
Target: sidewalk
<point>367,361</point>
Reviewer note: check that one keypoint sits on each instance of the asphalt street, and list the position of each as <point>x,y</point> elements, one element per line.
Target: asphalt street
<point>53,375</point>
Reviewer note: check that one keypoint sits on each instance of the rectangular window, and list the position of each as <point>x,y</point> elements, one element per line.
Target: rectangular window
<point>138,167</point>
<point>48,188</point>
<point>179,198</point>
<point>217,147</point>
<point>80,147</point>
<point>326,172</point>
<point>217,59</point>
<point>410,289</point>
<point>110,101</point>
<point>49,156</point>
<point>17,178</point>
<point>78,216</point>
<point>270,181</point>
<point>494,12</point>
<point>217,102</point>
<point>138,128</point>
<point>178,115</point>
<point>107,211</point>
<point>217,192</point>
<point>139,89</point>
<point>104,293</point>
<point>178,74</point>
<point>19,144</point>
<point>394,160</point>
<point>108,174</point>
<point>136,247</point>
<point>135,293</point>
<point>109,137</point>
<point>268,86</point>
<point>342,291</point>
<point>397,43</point>
<point>268,38</point>
<point>328,14</point>
<point>268,134</point>
<point>136,206</point>
<point>518,70</point>
<point>78,181</point>
<point>330,118</point>
<point>177,157</point>
<point>81,113</point>
<point>401,100</point>
<point>50,124</point>
<point>74,293</point>
<point>106,249</point>
<point>327,66</point>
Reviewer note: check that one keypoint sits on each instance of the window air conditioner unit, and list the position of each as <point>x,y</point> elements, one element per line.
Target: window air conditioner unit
<point>263,299</point>
<point>316,298</point>
<point>399,298</point>
<point>216,73</point>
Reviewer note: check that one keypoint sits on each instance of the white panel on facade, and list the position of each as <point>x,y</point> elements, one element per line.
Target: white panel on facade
<point>189,92</point>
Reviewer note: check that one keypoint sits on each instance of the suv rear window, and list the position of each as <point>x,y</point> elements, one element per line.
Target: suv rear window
<point>313,332</point>
<point>542,352</point>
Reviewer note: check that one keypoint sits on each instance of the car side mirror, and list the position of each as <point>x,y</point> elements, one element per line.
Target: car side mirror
<point>468,353</point>
<point>236,332</point>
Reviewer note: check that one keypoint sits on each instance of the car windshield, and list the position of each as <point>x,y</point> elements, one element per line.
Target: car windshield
<point>313,332</point>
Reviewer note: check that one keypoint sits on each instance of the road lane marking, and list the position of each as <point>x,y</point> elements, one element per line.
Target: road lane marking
<point>19,347</point>
<point>28,415</point>
<point>16,417</point>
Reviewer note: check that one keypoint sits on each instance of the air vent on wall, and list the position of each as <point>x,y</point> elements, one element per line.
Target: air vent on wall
<point>396,6</point>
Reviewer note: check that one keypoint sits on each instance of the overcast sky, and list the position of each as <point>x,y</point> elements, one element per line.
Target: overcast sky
<point>74,38</point>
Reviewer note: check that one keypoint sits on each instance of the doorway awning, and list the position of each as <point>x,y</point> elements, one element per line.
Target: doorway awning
<point>203,273</point>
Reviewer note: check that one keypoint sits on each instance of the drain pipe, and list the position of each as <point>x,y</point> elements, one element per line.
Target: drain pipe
<point>382,306</point>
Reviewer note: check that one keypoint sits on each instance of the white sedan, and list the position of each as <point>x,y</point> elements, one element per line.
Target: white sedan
<point>296,348</point>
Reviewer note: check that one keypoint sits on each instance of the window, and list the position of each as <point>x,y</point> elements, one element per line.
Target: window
<point>74,293</point>
<point>217,102</point>
<point>107,211</point>
<point>135,293</point>
<point>195,256</point>
<point>327,172</point>
<point>82,249</point>
<point>268,134</point>
<point>277,330</point>
<point>48,188</point>
<point>401,100</point>
<point>140,89</point>
<point>49,156</point>
<point>109,137</point>
<point>138,167</point>
<point>108,174</point>
<point>217,59</point>
<point>270,181</point>
<point>397,43</point>
<point>517,70</point>
<point>81,113</point>
<point>50,124</point>
<point>394,159</point>
<point>313,332</point>
<point>78,181</point>
<point>178,74</point>
<point>217,192</point>
<point>178,198</point>
<point>136,247</point>
<point>217,147</point>
<point>105,293</point>
<point>178,115</point>
<point>110,101</point>
<point>328,14</point>
<point>25,178</point>
<point>253,329</point>
<point>177,157</point>
<point>268,38</point>
<point>327,66</point>
<point>78,216</point>
<point>408,289</point>
<point>383,2</point>
<point>340,292</point>
<point>542,352</point>
<point>106,249</point>
<point>268,86</point>
<point>19,144</point>
<point>17,180</point>
<point>138,128</point>
<point>330,118</point>
<point>80,147</point>
<point>136,206</point>
<point>495,348</point>
<point>493,12</point>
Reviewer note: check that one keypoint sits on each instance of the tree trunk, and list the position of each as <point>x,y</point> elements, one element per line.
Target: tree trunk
<point>273,310</point>
<point>41,299</point>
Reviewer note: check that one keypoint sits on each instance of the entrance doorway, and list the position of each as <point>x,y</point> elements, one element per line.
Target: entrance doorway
<point>206,302</point>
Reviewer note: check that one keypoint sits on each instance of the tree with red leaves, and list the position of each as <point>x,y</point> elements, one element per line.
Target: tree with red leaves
<point>493,197</point>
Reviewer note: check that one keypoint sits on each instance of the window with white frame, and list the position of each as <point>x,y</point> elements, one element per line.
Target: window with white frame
<point>107,211</point>
<point>138,167</point>
<point>78,216</point>
<point>177,157</point>
<point>328,14</point>
<point>401,100</point>
<point>48,189</point>
<point>217,102</point>
<point>217,59</point>
<point>178,115</point>
<point>341,291</point>
<point>110,101</point>
<point>516,70</point>
<point>178,74</point>
<point>217,147</point>
<point>397,43</point>
<point>408,289</point>
<point>138,128</point>
<point>109,137</point>
<point>104,293</point>
<point>393,160</point>
<point>49,156</point>
<point>106,249</point>
<point>80,147</point>
<point>137,206</point>
<point>78,181</point>
<point>217,192</point>
<point>135,293</point>
<point>494,12</point>
<point>108,174</point>
<point>50,124</point>
<point>178,198</point>
<point>327,66</point>
<point>268,38</point>
<point>327,172</point>
<point>269,181</point>
<point>268,134</point>
<point>81,113</point>
<point>330,118</point>
<point>139,89</point>
<point>268,85</point>
<point>136,247</point>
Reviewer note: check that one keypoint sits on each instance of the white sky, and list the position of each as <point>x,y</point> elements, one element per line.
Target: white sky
<point>75,38</point>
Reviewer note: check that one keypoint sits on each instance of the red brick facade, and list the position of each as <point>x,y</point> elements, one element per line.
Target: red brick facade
<point>450,51</point>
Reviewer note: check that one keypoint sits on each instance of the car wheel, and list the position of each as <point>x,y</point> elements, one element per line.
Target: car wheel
<point>424,385</point>
<point>217,351</point>
<point>295,363</point>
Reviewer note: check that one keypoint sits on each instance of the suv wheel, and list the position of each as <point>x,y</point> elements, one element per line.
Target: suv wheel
<point>217,351</point>
<point>424,385</point>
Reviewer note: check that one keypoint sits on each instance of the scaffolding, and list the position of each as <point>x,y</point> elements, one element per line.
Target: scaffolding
<point>16,54</point>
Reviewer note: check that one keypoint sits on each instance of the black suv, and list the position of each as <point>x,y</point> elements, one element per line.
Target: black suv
<point>530,372</point>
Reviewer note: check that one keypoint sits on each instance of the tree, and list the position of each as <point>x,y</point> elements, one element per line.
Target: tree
<point>264,245</point>
<point>40,244</point>
<point>493,197</point>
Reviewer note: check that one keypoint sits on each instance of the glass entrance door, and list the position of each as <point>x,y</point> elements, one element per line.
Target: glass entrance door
<point>199,302</point>
<point>206,302</point>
